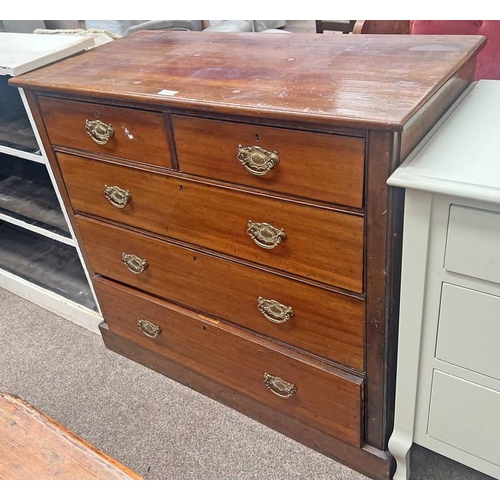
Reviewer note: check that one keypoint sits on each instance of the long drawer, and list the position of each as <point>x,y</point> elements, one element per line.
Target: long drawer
<point>328,324</point>
<point>313,165</point>
<point>313,393</point>
<point>468,330</point>
<point>324,245</point>
<point>465,415</point>
<point>108,130</point>
<point>472,242</point>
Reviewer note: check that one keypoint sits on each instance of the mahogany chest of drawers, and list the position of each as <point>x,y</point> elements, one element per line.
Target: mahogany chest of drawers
<point>229,194</point>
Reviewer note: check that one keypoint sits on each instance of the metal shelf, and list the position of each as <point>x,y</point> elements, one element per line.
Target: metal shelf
<point>46,263</point>
<point>16,134</point>
<point>39,257</point>
<point>28,199</point>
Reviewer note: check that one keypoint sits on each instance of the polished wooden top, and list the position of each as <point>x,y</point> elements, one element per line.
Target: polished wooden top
<point>374,81</point>
<point>34,446</point>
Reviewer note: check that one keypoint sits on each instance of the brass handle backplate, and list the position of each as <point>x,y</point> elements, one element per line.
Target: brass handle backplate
<point>256,160</point>
<point>274,311</point>
<point>133,263</point>
<point>149,329</point>
<point>99,131</point>
<point>279,387</point>
<point>117,196</point>
<point>264,235</point>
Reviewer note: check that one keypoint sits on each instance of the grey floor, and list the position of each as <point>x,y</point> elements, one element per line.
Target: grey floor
<point>151,424</point>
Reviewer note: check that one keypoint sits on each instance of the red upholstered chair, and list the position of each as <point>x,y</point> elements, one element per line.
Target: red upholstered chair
<point>488,59</point>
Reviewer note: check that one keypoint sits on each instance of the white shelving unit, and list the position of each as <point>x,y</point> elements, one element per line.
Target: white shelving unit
<point>39,256</point>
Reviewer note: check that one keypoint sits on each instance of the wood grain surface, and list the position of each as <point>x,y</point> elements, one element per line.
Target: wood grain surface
<point>325,323</point>
<point>374,81</point>
<point>325,398</point>
<point>427,116</point>
<point>138,135</point>
<point>217,218</point>
<point>35,446</point>
<point>323,167</point>
<point>374,463</point>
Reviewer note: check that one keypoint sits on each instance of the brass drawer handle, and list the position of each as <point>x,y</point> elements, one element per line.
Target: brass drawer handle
<point>149,329</point>
<point>274,311</point>
<point>264,235</point>
<point>117,196</point>
<point>256,160</point>
<point>279,387</point>
<point>133,263</point>
<point>99,131</point>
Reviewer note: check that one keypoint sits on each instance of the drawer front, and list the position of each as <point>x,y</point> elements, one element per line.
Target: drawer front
<point>137,135</point>
<point>469,330</point>
<point>323,245</point>
<point>312,393</point>
<point>465,415</point>
<point>328,324</point>
<point>473,242</point>
<point>307,164</point>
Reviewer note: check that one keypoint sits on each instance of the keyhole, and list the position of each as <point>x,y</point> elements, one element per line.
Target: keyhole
<point>194,259</point>
<point>257,138</point>
<point>181,189</point>
<point>96,113</point>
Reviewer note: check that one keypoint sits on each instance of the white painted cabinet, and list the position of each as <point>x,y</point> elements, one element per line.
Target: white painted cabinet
<point>448,373</point>
<point>39,256</point>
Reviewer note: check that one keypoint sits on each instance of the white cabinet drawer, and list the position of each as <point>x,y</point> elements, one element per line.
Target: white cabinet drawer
<point>465,416</point>
<point>469,330</point>
<point>473,244</point>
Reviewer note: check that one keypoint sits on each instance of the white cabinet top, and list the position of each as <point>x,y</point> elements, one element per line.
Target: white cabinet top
<point>23,52</point>
<point>460,157</point>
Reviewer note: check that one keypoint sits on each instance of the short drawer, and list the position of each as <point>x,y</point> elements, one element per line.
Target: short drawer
<point>312,165</point>
<point>134,134</point>
<point>330,325</point>
<point>465,415</point>
<point>310,392</point>
<point>324,245</point>
<point>473,242</point>
<point>469,330</point>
